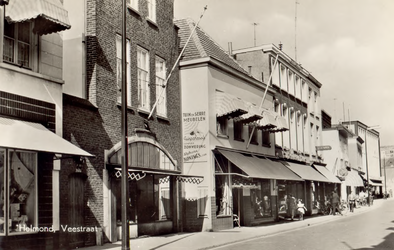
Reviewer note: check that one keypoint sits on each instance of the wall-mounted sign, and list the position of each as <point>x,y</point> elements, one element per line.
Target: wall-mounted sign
<point>195,130</point>
<point>321,148</point>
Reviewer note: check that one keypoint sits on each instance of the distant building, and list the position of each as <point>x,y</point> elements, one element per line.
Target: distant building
<point>387,164</point>
<point>370,155</point>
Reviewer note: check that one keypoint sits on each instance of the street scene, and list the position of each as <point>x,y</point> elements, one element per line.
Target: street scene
<point>196,124</point>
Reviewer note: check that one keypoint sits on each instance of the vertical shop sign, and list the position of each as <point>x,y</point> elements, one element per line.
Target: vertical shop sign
<point>195,130</point>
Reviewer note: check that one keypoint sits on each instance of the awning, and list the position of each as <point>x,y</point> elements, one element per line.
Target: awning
<point>306,172</point>
<point>327,173</point>
<point>354,179</point>
<point>253,115</point>
<point>48,15</point>
<point>17,134</point>
<point>374,182</point>
<point>281,124</point>
<point>268,121</point>
<point>228,105</point>
<point>256,167</point>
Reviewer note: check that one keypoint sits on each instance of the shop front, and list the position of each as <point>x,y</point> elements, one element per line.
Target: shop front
<point>314,191</point>
<point>247,186</point>
<point>29,187</point>
<point>153,188</point>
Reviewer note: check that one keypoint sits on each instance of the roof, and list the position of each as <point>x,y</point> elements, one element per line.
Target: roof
<point>201,45</point>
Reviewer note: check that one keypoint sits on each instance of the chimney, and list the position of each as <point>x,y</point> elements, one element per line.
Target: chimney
<point>280,45</point>
<point>230,48</point>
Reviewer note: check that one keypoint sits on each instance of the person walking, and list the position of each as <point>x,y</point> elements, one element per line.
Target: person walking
<point>301,209</point>
<point>292,206</point>
<point>352,201</point>
<point>335,203</point>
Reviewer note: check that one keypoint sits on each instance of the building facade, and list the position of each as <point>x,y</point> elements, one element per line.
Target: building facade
<point>92,117</point>
<point>31,124</point>
<point>297,100</point>
<point>387,164</point>
<point>370,156</point>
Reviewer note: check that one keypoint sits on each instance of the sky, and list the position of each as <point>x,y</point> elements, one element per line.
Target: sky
<point>347,45</point>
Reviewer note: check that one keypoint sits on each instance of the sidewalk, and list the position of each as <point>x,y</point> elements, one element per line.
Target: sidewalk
<point>207,240</point>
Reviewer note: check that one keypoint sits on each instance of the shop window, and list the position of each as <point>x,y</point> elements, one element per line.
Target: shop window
<point>119,70</point>
<point>161,90</point>
<point>253,137</point>
<point>17,47</point>
<point>265,135</point>
<point>222,124</point>
<point>202,201</point>
<point>238,130</point>
<point>18,180</point>
<point>163,188</point>
<point>223,197</point>
<point>143,79</point>
<point>260,199</point>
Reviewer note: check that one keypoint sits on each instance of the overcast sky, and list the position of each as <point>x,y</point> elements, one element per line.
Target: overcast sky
<point>348,45</point>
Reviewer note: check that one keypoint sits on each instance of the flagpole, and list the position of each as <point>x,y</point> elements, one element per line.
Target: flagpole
<point>124,141</point>
<point>262,100</point>
<point>175,64</point>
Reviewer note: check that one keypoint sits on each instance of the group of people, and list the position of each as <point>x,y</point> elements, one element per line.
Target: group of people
<point>295,206</point>
<point>262,207</point>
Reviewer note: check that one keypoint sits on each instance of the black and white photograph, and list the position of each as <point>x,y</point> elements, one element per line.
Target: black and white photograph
<point>196,124</point>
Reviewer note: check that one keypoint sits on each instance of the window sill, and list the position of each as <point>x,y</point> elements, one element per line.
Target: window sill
<point>133,9</point>
<point>266,145</point>
<point>152,22</point>
<point>143,111</point>
<point>239,139</point>
<point>254,143</point>
<point>223,216</point>
<point>163,118</point>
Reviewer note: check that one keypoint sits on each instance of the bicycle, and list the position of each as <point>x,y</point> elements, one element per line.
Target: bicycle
<point>325,208</point>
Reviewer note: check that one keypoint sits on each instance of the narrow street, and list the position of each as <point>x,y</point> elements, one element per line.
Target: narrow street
<point>370,230</point>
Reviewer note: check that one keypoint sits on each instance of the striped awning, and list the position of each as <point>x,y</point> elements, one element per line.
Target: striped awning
<point>327,173</point>
<point>354,179</point>
<point>281,124</point>
<point>228,105</point>
<point>49,16</point>
<point>268,121</point>
<point>254,114</point>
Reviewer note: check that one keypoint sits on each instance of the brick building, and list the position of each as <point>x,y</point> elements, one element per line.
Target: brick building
<point>92,118</point>
<point>31,123</point>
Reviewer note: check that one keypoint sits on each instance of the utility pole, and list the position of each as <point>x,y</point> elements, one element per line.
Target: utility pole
<point>254,28</point>
<point>124,141</point>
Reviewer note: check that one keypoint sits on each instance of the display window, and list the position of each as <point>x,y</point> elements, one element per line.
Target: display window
<point>260,198</point>
<point>18,181</point>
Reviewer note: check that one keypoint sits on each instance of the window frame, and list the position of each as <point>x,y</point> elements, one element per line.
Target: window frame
<point>161,88</point>
<point>202,201</point>
<point>16,41</point>
<point>119,70</point>
<point>222,126</point>
<point>133,4</point>
<point>152,7</point>
<point>238,131</point>
<point>143,104</point>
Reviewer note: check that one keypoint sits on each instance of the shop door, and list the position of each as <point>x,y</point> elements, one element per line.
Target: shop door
<point>76,188</point>
<point>237,204</point>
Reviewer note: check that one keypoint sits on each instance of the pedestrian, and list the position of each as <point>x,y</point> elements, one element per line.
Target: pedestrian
<point>301,209</point>
<point>292,205</point>
<point>352,201</point>
<point>335,203</point>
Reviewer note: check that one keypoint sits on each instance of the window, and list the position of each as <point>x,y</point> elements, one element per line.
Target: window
<point>253,136</point>
<point>202,201</point>
<point>260,199</point>
<point>152,10</point>
<point>119,70</point>
<point>17,43</point>
<point>143,79</point>
<point>133,4</point>
<point>161,89</point>
<point>265,136</point>
<point>238,130</point>
<point>18,180</point>
<point>222,123</point>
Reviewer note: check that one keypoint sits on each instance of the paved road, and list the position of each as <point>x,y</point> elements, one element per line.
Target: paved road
<point>370,230</point>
